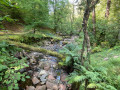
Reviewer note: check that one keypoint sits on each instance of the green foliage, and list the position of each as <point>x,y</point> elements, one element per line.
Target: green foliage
<point>96,76</point>
<point>35,13</point>
<point>73,52</point>
<point>9,66</point>
<point>96,49</point>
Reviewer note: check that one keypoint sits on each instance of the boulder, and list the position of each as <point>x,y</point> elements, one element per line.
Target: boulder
<point>51,77</point>
<point>55,87</point>
<point>30,88</point>
<point>43,72</point>
<point>51,85</point>
<point>43,87</point>
<point>43,78</point>
<point>63,77</point>
<point>35,80</point>
<point>62,87</point>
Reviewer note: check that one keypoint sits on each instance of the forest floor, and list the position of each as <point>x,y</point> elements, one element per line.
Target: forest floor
<point>109,58</point>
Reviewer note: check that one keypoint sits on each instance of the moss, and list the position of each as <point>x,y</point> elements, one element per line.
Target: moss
<point>37,49</point>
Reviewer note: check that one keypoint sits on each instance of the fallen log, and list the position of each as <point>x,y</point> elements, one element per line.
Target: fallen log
<point>37,49</point>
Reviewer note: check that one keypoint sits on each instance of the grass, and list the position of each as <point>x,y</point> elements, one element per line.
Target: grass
<point>112,64</point>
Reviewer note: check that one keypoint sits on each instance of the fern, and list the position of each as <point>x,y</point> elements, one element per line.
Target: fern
<point>8,66</point>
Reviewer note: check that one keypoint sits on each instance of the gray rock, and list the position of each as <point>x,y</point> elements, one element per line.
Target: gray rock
<point>47,66</point>
<point>35,80</point>
<point>62,87</point>
<point>50,85</point>
<point>42,72</point>
<point>30,88</point>
<point>43,87</point>
<point>63,77</point>
<point>43,78</point>
<point>51,77</point>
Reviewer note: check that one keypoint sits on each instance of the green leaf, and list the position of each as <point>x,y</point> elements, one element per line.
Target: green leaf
<point>68,58</point>
<point>23,79</point>
<point>27,76</point>
<point>0,78</point>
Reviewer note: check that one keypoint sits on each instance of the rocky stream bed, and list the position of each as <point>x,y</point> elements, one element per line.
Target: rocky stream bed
<point>44,70</point>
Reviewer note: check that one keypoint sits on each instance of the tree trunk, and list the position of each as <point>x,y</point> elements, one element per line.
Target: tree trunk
<point>55,19</point>
<point>108,8</point>
<point>94,21</point>
<point>86,36</point>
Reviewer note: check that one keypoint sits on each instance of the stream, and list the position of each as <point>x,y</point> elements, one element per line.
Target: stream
<point>44,70</point>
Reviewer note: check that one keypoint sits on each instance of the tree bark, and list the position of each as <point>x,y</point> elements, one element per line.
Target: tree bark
<point>86,36</point>
<point>89,7</point>
<point>94,21</point>
<point>55,19</point>
<point>108,8</point>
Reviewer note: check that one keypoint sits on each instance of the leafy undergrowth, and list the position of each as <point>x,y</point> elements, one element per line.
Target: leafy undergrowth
<point>109,59</point>
<point>10,66</point>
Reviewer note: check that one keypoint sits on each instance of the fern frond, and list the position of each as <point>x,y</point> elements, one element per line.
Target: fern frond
<point>92,85</point>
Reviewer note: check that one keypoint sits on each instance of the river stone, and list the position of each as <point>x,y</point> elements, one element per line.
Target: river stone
<point>30,88</point>
<point>52,72</point>
<point>36,74</point>
<point>36,55</point>
<point>47,66</point>
<point>41,64</point>
<point>43,78</point>
<point>42,72</point>
<point>55,87</point>
<point>51,77</point>
<point>35,80</point>
<point>62,87</point>
<point>63,77</point>
<point>51,85</point>
<point>43,87</point>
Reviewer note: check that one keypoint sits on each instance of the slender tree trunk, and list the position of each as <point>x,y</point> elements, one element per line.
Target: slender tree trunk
<point>55,19</point>
<point>94,21</point>
<point>108,8</point>
<point>86,36</point>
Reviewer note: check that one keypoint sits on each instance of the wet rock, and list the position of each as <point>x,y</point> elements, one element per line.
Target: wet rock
<point>41,64</point>
<point>49,85</point>
<point>51,77</point>
<point>47,66</point>
<point>35,80</point>
<point>52,72</point>
<point>36,55</point>
<point>43,87</point>
<point>30,88</point>
<point>42,72</point>
<point>43,78</point>
<point>36,74</point>
<point>62,87</point>
<point>63,77</point>
<point>55,87</point>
